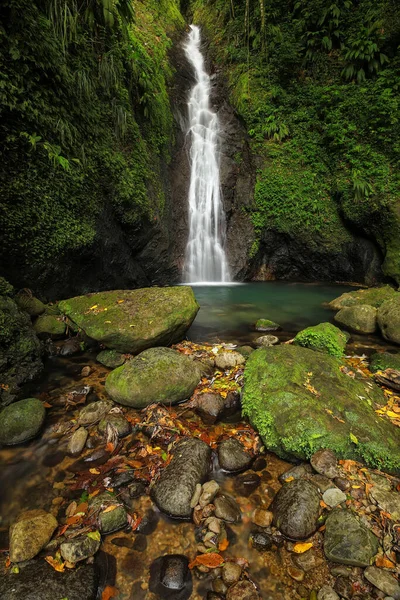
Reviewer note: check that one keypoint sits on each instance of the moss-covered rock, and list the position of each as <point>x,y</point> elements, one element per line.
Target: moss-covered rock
<point>20,350</point>
<point>50,326</point>
<point>133,320</point>
<point>360,318</point>
<point>28,303</point>
<point>389,319</point>
<point>109,520</point>
<point>324,337</point>
<point>6,289</point>
<point>380,361</point>
<point>300,401</point>
<point>110,358</point>
<point>155,375</point>
<point>267,325</point>
<point>21,421</point>
<point>372,296</point>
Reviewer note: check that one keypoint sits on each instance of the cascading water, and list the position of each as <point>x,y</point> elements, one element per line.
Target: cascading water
<point>205,256</point>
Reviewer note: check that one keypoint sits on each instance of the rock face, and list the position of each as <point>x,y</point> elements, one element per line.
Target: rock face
<point>133,320</point>
<point>389,319</point>
<point>360,318</point>
<point>374,296</point>
<point>347,541</point>
<point>174,489</point>
<point>232,456</point>
<point>296,509</point>
<point>30,533</point>
<point>20,349</point>
<point>39,580</point>
<point>21,421</point>
<point>155,375</point>
<point>290,408</point>
<point>324,337</point>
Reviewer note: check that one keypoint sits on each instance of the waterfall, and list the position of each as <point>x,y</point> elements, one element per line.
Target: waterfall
<point>205,259</point>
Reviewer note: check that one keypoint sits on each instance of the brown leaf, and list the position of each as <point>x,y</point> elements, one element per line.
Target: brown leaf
<point>211,560</point>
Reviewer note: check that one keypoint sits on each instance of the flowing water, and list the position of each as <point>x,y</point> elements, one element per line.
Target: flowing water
<point>205,255</point>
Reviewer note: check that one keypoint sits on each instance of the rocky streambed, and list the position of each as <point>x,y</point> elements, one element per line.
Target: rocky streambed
<point>142,477</point>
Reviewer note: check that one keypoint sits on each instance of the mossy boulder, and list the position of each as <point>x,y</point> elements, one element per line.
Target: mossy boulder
<point>110,358</point>
<point>20,350</point>
<point>111,515</point>
<point>28,303</point>
<point>51,326</point>
<point>301,401</point>
<point>380,361</point>
<point>372,296</point>
<point>360,318</point>
<point>21,421</point>
<point>389,319</point>
<point>267,325</point>
<point>133,320</point>
<point>324,337</point>
<point>155,375</point>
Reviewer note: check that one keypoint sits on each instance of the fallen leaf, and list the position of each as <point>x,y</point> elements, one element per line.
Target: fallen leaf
<point>57,565</point>
<point>110,508</point>
<point>301,547</point>
<point>93,307</point>
<point>109,592</point>
<point>94,535</point>
<point>353,438</point>
<point>322,504</point>
<point>211,560</point>
<point>222,546</point>
<point>382,561</point>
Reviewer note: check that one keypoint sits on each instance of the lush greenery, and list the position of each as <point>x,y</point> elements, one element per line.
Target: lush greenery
<point>316,82</point>
<point>324,337</point>
<point>85,120</point>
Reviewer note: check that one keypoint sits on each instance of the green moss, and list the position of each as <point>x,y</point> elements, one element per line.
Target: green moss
<point>374,296</point>
<point>6,289</point>
<point>266,325</point>
<point>324,337</point>
<point>383,360</point>
<point>50,326</point>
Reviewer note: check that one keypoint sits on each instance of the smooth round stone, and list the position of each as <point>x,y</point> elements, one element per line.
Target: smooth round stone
<point>227,509</point>
<point>110,358</point>
<point>246,484</point>
<point>77,442</point>
<point>259,464</point>
<point>384,581</point>
<point>267,325</point>
<point>333,497</point>
<point>231,573</point>
<point>266,340</point>
<point>232,456</point>
<point>210,407</point>
<point>30,533</point>
<point>219,586</point>
<point>296,509</point>
<point>262,518</point>
<point>325,463</point>
<point>93,412</point>
<point>171,578</point>
<point>229,360</point>
<point>118,421</point>
<point>260,540</point>
<point>21,421</point>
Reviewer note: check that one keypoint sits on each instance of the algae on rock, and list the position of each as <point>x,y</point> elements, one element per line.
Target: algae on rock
<point>324,337</point>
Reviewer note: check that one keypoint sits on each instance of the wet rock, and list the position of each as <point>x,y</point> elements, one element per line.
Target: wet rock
<point>360,318</point>
<point>324,461</point>
<point>219,586</point>
<point>111,358</point>
<point>259,464</point>
<point>389,319</point>
<point>140,543</point>
<point>327,593</point>
<point>77,442</point>
<point>232,404</point>
<point>31,531</point>
<point>245,351</point>
<point>384,581</point>
<point>122,479</point>
<point>79,548</point>
<point>175,488</point>
<point>387,501</point>
<point>109,520</point>
<point>210,407</point>
<point>296,509</point>
<point>29,304</point>
<point>242,590</point>
<point>232,456</point>
<point>227,509</point>
<point>333,497</point>
<point>347,541</point>
<point>260,540</point>
<point>267,325</point>
<point>262,518</point>
<point>374,296</point>
<point>306,561</point>
<point>134,319</point>
<point>344,587</point>
<point>21,421</point>
<point>171,578</point>
<point>342,484</point>
<point>228,360</point>
<point>247,483</point>
<point>322,483</point>
<point>155,375</point>
<point>123,542</point>
<point>49,326</point>
<point>137,488</point>
<point>94,412</point>
<point>118,422</point>
<point>148,524</point>
<point>38,580</point>
<point>323,337</point>
<point>231,573</point>
<point>214,596</point>
<point>86,371</point>
<point>295,473</point>
<point>266,340</point>
<point>70,347</point>
<point>208,492</point>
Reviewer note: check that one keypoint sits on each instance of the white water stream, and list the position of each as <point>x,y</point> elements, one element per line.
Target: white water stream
<point>205,259</point>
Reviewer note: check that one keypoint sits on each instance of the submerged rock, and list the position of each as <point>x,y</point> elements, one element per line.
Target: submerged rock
<point>296,509</point>
<point>170,577</point>
<point>247,483</point>
<point>227,509</point>
<point>360,318</point>
<point>133,320</point>
<point>21,421</point>
<point>242,590</point>
<point>389,319</point>
<point>93,412</point>
<point>109,519</point>
<point>232,456</point>
<point>299,401</point>
<point>77,442</point>
<point>324,337</point>
<point>110,358</point>
<point>174,489</point>
<point>372,296</point>
<point>155,375</point>
<point>30,533</point>
<point>347,541</point>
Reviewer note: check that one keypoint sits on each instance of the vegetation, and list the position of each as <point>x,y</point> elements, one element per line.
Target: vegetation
<point>317,84</point>
<point>86,120</point>
<point>324,337</point>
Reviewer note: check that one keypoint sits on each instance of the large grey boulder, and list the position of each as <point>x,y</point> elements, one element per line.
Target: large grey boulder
<point>360,318</point>
<point>155,375</point>
<point>174,489</point>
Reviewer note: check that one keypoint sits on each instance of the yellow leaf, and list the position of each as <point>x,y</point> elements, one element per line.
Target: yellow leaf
<point>392,414</point>
<point>288,479</point>
<point>120,301</point>
<point>107,321</point>
<point>110,508</point>
<point>93,307</point>
<point>94,471</point>
<point>301,547</point>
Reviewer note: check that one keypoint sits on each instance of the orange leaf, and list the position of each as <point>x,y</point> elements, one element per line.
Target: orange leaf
<point>110,508</point>
<point>211,560</point>
<point>109,592</point>
<point>223,545</point>
<point>301,547</point>
<point>110,447</point>
<point>56,564</point>
<point>8,562</point>
<point>322,504</point>
<point>136,464</point>
<point>81,508</point>
<point>73,520</point>
<point>47,405</point>
<point>382,561</point>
